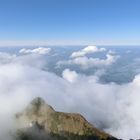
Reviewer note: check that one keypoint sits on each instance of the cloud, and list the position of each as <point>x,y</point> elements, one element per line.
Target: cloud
<point>110,107</point>
<point>79,58</point>
<point>70,76</point>
<point>86,62</point>
<point>87,50</point>
<point>40,50</point>
<point>6,57</point>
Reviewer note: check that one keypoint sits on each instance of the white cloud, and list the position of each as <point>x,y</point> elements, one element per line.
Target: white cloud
<point>87,50</point>
<point>79,58</point>
<point>40,50</point>
<point>70,76</point>
<point>86,62</point>
<point>6,57</point>
<point>112,107</point>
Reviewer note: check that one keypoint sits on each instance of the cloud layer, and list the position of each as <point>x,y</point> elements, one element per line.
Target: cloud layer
<point>110,107</point>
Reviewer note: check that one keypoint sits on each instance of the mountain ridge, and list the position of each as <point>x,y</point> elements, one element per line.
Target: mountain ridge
<point>38,116</point>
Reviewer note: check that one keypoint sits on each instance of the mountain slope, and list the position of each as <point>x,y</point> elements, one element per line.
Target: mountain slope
<point>41,121</point>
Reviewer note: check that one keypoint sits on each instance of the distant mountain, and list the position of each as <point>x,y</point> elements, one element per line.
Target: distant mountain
<point>39,121</point>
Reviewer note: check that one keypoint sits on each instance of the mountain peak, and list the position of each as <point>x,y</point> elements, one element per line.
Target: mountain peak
<point>43,117</point>
<point>38,101</point>
<point>38,106</point>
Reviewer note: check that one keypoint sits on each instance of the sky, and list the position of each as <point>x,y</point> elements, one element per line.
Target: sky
<point>69,22</point>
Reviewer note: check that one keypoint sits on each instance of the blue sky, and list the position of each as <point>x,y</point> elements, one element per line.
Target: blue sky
<point>70,22</point>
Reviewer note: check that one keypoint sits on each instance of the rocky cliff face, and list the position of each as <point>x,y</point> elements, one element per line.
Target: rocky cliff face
<point>39,121</point>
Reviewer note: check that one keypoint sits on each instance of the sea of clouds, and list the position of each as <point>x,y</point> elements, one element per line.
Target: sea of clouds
<point>111,107</point>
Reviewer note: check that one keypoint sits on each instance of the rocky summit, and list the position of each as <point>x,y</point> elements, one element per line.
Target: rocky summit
<point>39,121</point>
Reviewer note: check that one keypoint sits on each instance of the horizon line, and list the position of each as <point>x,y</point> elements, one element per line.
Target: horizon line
<point>33,43</point>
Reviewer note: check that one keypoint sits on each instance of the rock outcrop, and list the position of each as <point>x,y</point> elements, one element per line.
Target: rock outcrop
<point>39,121</point>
